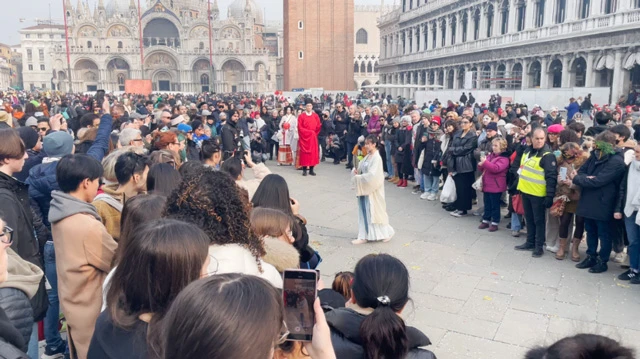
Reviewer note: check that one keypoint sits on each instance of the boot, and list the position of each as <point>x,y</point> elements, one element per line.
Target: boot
<point>395,180</point>
<point>400,183</point>
<point>575,254</point>
<point>404,184</point>
<point>562,250</point>
<point>392,178</point>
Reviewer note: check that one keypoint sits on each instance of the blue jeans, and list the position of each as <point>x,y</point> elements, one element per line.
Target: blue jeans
<point>431,183</point>
<point>51,333</point>
<point>491,208</point>
<point>633,233</point>
<point>418,175</point>
<point>516,221</point>
<point>598,230</point>
<point>387,149</point>
<point>32,349</point>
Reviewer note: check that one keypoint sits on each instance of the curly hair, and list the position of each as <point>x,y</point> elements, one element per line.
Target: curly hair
<point>212,201</point>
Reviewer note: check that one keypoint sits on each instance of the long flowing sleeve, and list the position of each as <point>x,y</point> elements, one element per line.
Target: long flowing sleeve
<point>372,179</point>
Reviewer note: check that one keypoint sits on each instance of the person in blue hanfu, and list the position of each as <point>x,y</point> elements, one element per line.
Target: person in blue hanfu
<point>368,180</point>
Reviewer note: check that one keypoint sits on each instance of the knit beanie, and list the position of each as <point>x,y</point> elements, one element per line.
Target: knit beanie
<point>58,144</point>
<point>29,136</point>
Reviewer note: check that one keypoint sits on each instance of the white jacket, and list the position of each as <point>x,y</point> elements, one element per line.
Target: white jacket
<point>234,258</point>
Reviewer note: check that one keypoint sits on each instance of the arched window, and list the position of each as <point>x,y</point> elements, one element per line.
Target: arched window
<point>356,67</point>
<point>363,68</point>
<point>120,79</point>
<point>89,45</point>
<point>204,79</point>
<point>369,68</point>
<point>201,45</point>
<point>362,36</point>
<point>119,44</point>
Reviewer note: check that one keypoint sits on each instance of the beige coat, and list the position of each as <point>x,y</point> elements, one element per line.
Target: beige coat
<point>371,183</point>
<point>110,210</point>
<point>84,253</point>
<point>260,171</point>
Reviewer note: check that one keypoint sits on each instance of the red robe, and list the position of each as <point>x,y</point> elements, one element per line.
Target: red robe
<point>308,130</point>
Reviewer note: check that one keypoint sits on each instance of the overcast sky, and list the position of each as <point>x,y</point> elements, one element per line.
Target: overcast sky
<point>30,10</point>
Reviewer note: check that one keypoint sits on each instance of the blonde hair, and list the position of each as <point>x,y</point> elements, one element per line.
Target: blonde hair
<point>502,142</point>
<point>270,222</point>
<point>109,161</point>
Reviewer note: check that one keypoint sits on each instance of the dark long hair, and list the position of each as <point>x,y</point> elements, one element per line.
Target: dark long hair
<point>212,201</point>
<point>137,211</point>
<point>582,346</point>
<point>381,282</point>
<point>224,316</point>
<point>161,258</point>
<point>273,192</point>
<point>162,179</point>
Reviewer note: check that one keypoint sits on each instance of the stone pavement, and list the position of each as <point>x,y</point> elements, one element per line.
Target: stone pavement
<point>473,295</point>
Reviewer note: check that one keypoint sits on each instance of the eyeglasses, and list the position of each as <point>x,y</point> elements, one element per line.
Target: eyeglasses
<point>137,140</point>
<point>43,129</point>
<point>7,236</point>
<point>283,337</point>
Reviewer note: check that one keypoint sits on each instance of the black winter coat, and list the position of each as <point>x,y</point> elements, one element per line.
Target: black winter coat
<point>599,195</point>
<point>229,135</point>
<point>17,307</point>
<point>417,143</point>
<point>10,340</point>
<point>460,150</point>
<point>345,336</point>
<point>340,122</point>
<point>432,152</point>
<point>355,130</point>
<point>35,158</point>
<point>403,139</point>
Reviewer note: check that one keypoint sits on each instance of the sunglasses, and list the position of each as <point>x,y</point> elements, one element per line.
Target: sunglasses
<point>43,129</point>
<point>7,235</point>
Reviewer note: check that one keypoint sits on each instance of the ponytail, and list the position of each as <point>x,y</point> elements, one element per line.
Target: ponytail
<point>381,282</point>
<point>384,334</point>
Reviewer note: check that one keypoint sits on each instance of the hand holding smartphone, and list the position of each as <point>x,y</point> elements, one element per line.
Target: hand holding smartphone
<point>299,293</point>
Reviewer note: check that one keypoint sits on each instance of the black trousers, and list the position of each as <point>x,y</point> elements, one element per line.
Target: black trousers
<point>534,214</point>
<point>271,145</point>
<point>322,140</point>
<point>383,155</point>
<point>464,191</point>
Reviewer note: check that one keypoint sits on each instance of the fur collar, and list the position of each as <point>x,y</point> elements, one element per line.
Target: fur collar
<point>280,254</point>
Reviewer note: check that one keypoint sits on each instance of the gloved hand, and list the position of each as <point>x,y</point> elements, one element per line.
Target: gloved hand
<point>548,202</point>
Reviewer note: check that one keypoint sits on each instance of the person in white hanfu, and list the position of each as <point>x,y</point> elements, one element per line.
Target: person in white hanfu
<point>291,135</point>
<point>368,179</point>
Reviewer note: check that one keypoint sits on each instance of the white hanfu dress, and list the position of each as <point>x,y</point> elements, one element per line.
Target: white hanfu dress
<point>373,221</point>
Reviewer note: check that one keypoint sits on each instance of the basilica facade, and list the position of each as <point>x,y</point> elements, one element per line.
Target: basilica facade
<point>167,42</point>
<point>520,45</point>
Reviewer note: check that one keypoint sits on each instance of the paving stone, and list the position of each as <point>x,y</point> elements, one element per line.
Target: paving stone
<point>459,345</point>
<point>522,328</point>
<point>457,286</point>
<point>486,305</point>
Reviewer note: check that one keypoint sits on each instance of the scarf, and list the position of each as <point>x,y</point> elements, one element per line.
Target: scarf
<point>434,134</point>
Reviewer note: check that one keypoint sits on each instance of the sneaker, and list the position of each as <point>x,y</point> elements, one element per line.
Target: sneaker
<point>515,234</point>
<point>432,197</point>
<point>525,247</point>
<point>619,257</point>
<point>478,213</point>
<point>507,216</point>
<point>600,267</point>
<point>587,263</point>
<point>635,280</point>
<point>416,191</point>
<point>455,212</point>
<point>459,214</point>
<point>509,225</point>
<point>425,195</point>
<point>493,228</point>
<point>483,225</point>
<point>537,253</point>
<point>553,249</point>
<point>628,275</point>
<point>416,187</point>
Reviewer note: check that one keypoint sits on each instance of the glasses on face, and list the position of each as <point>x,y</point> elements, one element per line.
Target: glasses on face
<point>43,129</point>
<point>137,140</point>
<point>283,337</point>
<point>6,236</point>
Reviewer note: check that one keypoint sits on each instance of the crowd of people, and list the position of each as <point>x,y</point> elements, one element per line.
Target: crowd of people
<point>131,217</point>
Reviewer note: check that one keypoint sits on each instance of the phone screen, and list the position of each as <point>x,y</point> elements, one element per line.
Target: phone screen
<point>298,294</point>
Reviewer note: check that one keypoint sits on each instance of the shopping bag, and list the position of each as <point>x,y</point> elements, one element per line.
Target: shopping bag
<point>516,202</point>
<point>448,194</point>
<point>477,185</point>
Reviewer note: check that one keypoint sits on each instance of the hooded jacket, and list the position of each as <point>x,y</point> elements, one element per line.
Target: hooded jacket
<point>494,169</point>
<point>84,253</point>
<point>10,339</point>
<point>347,344</point>
<point>109,206</point>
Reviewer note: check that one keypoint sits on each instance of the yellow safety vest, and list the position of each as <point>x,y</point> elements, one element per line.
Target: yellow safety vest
<point>532,180</point>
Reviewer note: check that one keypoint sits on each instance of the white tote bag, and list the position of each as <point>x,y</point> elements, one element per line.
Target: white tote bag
<point>448,194</point>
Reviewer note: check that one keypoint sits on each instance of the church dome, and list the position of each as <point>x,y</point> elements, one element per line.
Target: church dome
<point>117,6</point>
<point>236,9</point>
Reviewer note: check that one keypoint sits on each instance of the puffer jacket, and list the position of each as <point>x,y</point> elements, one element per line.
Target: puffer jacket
<point>17,307</point>
<point>34,159</point>
<point>494,178</point>
<point>460,152</point>
<point>599,194</point>
<point>10,340</point>
<point>345,336</point>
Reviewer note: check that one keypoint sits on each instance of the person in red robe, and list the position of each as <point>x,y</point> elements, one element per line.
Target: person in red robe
<point>308,130</point>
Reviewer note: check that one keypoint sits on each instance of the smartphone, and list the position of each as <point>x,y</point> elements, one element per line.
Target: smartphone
<point>299,291</point>
<point>483,154</point>
<point>100,97</point>
<point>563,173</point>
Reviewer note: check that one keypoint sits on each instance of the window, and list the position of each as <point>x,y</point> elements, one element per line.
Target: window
<point>356,68</point>
<point>540,13</point>
<point>41,54</point>
<point>62,36</point>
<point>201,45</point>
<point>30,67</point>
<point>41,67</point>
<point>29,55</point>
<point>27,36</point>
<point>300,25</point>
<point>362,36</point>
<point>39,36</point>
<point>610,6</point>
<point>44,86</point>
<point>89,45</point>
<point>300,55</point>
<point>585,6</point>
<point>119,44</point>
<point>560,11</point>
<point>51,36</point>
<point>522,12</point>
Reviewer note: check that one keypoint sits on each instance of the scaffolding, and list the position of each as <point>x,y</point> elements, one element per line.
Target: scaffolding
<point>486,79</point>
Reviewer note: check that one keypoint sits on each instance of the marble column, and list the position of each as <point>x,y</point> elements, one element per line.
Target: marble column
<point>571,11</point>
<point>596,7</point>
<point>589,70</point>
<point>525,74</point>
<point>482,32</point>
<point>566,72</point>
<point>449,30</point>
<point>423,38</point>
<point>618,77</point>
<point>513,19</point>
<point>529,15</point>
<point>411,40</point>
<point>438,34</point>
<point>549,11</point>
<point>544,73</point>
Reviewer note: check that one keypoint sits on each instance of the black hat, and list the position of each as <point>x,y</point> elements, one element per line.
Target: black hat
<point>29,136</point>
<point>492,126</point>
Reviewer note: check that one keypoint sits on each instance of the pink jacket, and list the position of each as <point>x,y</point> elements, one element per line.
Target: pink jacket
<point>495,169</point>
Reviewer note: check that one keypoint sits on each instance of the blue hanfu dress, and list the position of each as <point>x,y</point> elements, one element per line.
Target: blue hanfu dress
<point>373,221</point>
